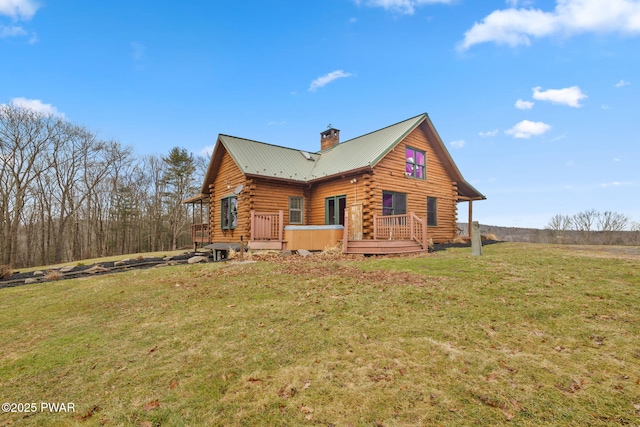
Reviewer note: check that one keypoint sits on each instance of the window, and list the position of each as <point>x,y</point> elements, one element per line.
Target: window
<point>432,211</point>
<point>394,203</point>
<point>295,210</point>
<point>415,163</point>
<point>334,210</point>
<point>229,212</point>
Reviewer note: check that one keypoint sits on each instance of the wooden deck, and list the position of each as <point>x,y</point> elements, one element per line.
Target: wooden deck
<point>392,234</point>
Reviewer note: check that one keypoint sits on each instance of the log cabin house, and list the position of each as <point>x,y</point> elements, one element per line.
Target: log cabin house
<point>388,191</point>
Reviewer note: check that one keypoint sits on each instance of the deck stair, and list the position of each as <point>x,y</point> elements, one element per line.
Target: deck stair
<point>373,247</point>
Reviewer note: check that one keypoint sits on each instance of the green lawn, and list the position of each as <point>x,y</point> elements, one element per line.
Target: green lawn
<point>526,335</point>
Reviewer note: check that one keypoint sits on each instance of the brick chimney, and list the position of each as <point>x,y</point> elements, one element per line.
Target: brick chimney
<point>329,138</point>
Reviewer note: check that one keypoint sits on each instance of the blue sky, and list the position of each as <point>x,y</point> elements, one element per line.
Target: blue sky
<point>537,101</point>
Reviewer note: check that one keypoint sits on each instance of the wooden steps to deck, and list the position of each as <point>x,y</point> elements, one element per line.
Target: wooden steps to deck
<point>373,247</point>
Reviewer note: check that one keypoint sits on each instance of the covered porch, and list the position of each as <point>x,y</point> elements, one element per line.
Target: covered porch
<point>200,231</point>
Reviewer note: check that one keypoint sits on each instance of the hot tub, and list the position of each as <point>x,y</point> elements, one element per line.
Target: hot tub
<point>312,237</point>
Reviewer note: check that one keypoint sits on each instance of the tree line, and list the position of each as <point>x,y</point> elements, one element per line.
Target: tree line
<point>593,227</point>
<point>67,194</point>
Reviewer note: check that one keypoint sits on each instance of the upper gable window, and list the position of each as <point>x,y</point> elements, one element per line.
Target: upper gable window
<point>415,163</point>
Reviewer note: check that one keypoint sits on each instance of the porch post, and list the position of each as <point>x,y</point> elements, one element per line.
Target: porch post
<point>412,235</point>
<point>375,227</point>
<point>193,229</point>
<point>345,232</point>
<point>425,244</point>
<point>469,227</point>
<point>281,227</point>
<point>253,224</point>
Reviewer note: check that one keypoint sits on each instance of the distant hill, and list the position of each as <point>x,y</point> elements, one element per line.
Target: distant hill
<point>535,235</point>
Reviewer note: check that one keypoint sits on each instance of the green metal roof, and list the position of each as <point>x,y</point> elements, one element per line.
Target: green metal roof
<point>258,158</point>
<point>365,150</point>
<point>273,161</point>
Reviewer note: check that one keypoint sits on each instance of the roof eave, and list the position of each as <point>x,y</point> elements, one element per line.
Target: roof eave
<point>349,172</point>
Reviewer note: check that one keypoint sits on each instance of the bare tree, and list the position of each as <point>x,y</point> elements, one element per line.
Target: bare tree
<point>557,227</point>
<point>584,223</point>
<point>25,136</point>
<point>635,232</point>
<point>611,222</point>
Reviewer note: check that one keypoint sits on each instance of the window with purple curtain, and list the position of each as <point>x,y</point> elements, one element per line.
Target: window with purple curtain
<point>415,163</point>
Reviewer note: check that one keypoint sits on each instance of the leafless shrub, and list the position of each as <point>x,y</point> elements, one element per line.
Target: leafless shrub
<point>461,239</point>
<point>333,250</point>
<point>53,275</point>
<point>5,271</point>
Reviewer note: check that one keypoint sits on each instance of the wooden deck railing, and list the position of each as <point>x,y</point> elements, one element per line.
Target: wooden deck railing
<point>391,227</point>
<point>200,233</point>
<point>400,227</point>
<point>267,225</point>
<point>419,230</point>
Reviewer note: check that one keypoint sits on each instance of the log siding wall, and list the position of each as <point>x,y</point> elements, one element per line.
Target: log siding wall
<point>229,176</point>
<point>388,175</point>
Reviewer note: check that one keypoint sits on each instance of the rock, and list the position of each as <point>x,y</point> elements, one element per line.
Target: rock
<point>38,273</point>
<point>67,268</point>
<point>167,258</point>
<point>30,281</point>
<point>286,253</point>
<point>197,259</point>
<point>119,263</point>
<point>304,253</point>
<point>96,269</point>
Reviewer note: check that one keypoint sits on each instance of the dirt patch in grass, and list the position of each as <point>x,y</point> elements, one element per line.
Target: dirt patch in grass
<point>620,252</point>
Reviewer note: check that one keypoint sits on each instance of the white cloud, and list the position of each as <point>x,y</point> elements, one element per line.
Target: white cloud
<point>515,27</point>
<point>401,6</point>
<point>36,105</point>
<point>489,133</point>
<point>524,105</point>
<point>615,159</point>
<point>327,78</point>
<point>12,31</point>
<point>605,107</point>
<point>526,129</point>
<point>615,184</point>
<point>18,9</point>
<point>458,144</point>
<point>622,83</point>
<point>570,96</point>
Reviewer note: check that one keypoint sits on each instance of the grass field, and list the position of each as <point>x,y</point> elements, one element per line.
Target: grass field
<point>526,335</point>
